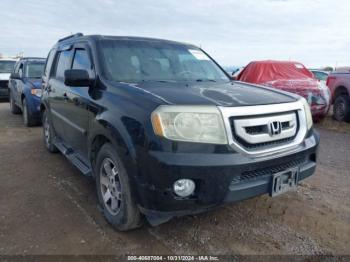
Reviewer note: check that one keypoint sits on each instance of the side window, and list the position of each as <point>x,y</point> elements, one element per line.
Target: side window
<point>63,63</point>
<point>49,62</point>
<point>82,60</point>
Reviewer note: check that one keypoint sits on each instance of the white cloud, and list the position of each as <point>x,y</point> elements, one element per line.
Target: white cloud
<point>314,32</point>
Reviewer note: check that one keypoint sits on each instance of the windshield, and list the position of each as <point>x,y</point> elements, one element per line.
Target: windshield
<point>135,61</point>
<point>7,66</point>
<point>35,70</point>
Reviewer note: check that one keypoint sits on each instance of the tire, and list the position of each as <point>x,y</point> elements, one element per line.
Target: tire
<point>13,107</point>
<point>341,108</point>
<point>48,134</point>
<point>27,119</point>
<point>114,191</point>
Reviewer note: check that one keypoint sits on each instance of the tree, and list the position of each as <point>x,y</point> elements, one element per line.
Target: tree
<point>328,68</point>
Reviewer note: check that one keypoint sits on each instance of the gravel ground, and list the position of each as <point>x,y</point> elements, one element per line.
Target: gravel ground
<point>47,207</point>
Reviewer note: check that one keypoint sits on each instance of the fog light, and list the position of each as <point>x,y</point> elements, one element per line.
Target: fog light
<point>184,187</point>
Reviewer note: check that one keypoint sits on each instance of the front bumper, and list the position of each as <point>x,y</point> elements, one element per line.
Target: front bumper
<point>219,178</point>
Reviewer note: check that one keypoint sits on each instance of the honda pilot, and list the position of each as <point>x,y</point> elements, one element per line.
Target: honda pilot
<point>164,130</point>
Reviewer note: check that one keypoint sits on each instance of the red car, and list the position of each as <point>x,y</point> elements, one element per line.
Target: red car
<point>290,76</point>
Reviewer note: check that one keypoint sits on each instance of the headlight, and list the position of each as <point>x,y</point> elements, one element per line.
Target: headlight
<point>201,124</point>
<point>36,92</point>
<point>308,114</point>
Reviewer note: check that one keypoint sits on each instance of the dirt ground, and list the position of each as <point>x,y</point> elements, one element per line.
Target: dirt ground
<point>47,207</point>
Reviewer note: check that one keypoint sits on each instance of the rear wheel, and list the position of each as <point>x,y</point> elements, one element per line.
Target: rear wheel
<point>341,108</point>
<point>48,134</point>
<point>114,191</point>
<point>14,108</point>
<point>27,119</point>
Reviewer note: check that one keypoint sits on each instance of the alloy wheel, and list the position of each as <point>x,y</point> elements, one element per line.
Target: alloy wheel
<point>110,186</point>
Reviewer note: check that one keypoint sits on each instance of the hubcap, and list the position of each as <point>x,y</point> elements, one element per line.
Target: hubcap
<point>110,186</point>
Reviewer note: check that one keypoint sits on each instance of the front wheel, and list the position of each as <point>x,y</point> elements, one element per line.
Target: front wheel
<point>341,108</point>
<point>114,191</point>
<point>48,134</point>
<point>27,118</point>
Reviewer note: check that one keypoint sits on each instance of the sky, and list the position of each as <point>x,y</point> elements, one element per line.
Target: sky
<point>234,32</point>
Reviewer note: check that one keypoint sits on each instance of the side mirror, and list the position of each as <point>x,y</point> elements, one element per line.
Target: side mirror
<point>77,77</point>
<point>15,76</point>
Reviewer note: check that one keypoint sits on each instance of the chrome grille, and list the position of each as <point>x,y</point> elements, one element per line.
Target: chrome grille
<point>265,129</point>
<point>255,130</point>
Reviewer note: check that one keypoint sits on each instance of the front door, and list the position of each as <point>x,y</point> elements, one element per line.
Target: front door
<point>76,109</point>
<point>56,89</point>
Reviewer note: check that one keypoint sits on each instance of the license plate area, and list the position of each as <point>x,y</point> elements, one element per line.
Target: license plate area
<point>284,181</point>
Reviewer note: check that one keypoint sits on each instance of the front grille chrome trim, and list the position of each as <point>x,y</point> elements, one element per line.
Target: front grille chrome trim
<point>264,136</point>
<point>261,111</point>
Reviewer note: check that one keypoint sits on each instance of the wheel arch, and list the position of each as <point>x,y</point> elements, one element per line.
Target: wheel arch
<point>340,90</point>
<point>104,132</point>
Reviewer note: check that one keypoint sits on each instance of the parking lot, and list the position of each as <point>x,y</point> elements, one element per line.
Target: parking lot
<point>47,207</point>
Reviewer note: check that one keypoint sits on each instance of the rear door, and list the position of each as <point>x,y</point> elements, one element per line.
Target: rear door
<point>76,107</point>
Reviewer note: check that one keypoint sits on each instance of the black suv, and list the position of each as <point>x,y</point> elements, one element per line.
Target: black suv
<point>165,131</point>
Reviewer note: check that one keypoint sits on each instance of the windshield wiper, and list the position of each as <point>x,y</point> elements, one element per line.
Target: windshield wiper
<point>161,81</point>
<point>206,80</point>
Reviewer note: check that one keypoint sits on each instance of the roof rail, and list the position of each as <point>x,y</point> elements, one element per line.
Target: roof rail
<point>70,36</point>
<point>29,57</point>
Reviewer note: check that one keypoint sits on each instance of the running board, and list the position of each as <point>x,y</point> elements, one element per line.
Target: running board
<point>73,158</point>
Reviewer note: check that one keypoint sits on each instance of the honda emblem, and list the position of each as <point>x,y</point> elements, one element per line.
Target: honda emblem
<point>274,128</point>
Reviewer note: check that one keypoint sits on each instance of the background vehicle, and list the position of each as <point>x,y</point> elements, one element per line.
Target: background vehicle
<point>320,75</point>
<point>164,130</point>
<point>339,84</point>
<point>234,74</point>
<point>25,89</point>
<point>292,77</point>
<point>6,67</point>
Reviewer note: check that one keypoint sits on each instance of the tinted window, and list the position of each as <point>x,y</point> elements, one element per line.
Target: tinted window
<point>63,63</point>
<point>81,60</point>
<point>49,62</point>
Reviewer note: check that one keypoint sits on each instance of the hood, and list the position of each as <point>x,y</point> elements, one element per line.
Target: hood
<point>211,93</point>
<point>34,82</point>
<point>5,76</point>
